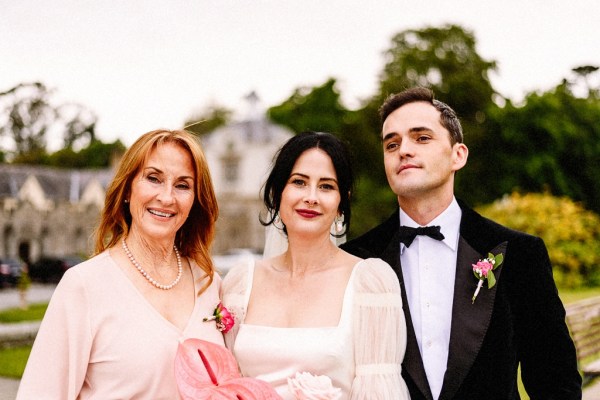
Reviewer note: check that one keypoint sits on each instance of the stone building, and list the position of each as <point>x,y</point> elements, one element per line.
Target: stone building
<point>239,157</point>
<point>49,212</point>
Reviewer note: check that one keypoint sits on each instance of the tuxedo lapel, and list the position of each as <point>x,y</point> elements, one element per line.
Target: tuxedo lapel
<point>412,363</point>
<point>470,320</point>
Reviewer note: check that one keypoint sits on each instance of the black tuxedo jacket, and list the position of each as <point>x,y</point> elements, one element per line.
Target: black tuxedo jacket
<point>521,320</point>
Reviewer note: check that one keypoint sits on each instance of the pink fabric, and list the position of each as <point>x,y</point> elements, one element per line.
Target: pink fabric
<point>101,339</point>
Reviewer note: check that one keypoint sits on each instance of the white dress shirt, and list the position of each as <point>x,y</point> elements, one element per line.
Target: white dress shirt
<point>429,268</point>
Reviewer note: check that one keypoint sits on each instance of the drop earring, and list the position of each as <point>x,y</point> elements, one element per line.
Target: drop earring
<point>339,224</point>
<point>278,223</point>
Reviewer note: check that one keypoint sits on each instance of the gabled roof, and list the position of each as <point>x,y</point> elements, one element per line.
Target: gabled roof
<point>57,184</point>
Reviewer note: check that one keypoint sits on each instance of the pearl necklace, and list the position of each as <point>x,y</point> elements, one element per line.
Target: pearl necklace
<point>147,276</point>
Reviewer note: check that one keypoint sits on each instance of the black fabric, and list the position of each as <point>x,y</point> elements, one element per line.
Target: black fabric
<point>501,330</point>
<point>408,234</point>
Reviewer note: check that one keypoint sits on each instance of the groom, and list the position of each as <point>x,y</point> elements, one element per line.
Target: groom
<point>459,347</point>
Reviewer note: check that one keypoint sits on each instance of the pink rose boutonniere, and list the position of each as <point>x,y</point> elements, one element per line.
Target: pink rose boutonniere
<point>484,270</point>
<point>223,318</point>
<point>305,386</point>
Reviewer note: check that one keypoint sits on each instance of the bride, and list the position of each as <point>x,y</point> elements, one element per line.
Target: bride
<point>315,308</point>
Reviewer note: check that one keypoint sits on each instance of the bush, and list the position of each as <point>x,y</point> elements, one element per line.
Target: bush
<point>571,233</point>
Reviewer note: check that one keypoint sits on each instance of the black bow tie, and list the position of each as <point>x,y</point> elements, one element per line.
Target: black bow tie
<point>408,234</point>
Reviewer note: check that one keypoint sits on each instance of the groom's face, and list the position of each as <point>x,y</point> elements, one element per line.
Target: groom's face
<point>419,158</point>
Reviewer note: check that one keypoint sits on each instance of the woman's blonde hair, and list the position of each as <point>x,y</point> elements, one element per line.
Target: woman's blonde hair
<point>195,237</point>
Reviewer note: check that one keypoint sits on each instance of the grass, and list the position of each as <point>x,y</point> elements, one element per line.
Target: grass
<point>34,312</point>
<point>13,361</point>
<point>571,296</point>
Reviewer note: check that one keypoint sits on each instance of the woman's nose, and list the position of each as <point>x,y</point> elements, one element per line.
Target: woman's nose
<point>166,194</point>
<point>311,197</point>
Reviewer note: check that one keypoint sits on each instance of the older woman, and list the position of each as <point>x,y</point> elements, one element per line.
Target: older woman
<point>315,308</point>
<point>114,322</point>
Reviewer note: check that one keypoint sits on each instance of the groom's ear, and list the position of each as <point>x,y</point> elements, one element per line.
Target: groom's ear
<point>460,153</point>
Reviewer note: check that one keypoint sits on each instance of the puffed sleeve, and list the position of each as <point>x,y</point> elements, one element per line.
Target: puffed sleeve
<point>379,334</point>
<point>58,362</point>
<point>234,295</point>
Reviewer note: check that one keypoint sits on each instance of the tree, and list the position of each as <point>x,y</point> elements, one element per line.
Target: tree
<point>78,124</point>
<point>28,116</point>
<point>584,73</point>
<point>96,155</point>
<point>320,109</point>
<point>551,142</point>
<point>312,108</point>
<point>445,60</point>
<point>207,120</point>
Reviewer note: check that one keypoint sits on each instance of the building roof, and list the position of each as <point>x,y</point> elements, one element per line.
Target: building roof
<point>57,184</point>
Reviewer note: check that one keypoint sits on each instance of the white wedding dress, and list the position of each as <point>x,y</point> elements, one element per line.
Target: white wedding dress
<point>361,355</point>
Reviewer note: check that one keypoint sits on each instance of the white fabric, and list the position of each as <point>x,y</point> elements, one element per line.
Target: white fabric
<point>275,241</point>
<point>101,339</point>
<point>362,355</point>
<point>291,350</point>
<point>429,268</point>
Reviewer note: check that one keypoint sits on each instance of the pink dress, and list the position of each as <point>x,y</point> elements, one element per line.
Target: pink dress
<point>362,354</point>
<point>101,339</point>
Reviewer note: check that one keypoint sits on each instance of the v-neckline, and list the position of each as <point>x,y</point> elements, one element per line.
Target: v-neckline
<point>148,304</point>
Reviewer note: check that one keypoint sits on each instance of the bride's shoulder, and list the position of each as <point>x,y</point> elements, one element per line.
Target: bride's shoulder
<point>376,270</point>
<point>238,273</point>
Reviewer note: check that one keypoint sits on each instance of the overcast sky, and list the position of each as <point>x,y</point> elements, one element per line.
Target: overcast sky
<point>140,65</point>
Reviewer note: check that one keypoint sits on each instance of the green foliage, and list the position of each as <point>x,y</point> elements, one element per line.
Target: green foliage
<point>35,312</point>
<point>78,124</point>
<point>208,120</point>
<point>444,59</point>
<point>28,114</point>
<point>96,155</point>
<point>31,157</point>
<point>571,233</point>
<point>13,361</point>
<point>371,203</point>
<point>551,142</point>
<point>317,109</point>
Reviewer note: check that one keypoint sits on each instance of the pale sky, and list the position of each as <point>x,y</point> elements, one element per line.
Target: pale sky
<point>141,65</point>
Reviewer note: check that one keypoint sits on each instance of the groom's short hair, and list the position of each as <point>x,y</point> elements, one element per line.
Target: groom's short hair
<point>448,117</point>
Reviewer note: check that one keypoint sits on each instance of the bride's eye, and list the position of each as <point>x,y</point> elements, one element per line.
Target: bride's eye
<point>297,182</point>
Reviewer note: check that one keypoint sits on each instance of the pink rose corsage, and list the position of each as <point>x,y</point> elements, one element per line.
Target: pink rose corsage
<point>484,270</point>
<point>223,318</point>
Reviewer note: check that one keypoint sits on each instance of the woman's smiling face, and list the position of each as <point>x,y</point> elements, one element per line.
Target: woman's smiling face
<point>162,193</point>
<point>311,198</point>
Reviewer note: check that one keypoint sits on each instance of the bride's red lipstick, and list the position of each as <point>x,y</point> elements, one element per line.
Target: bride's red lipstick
<point>308,213</point>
